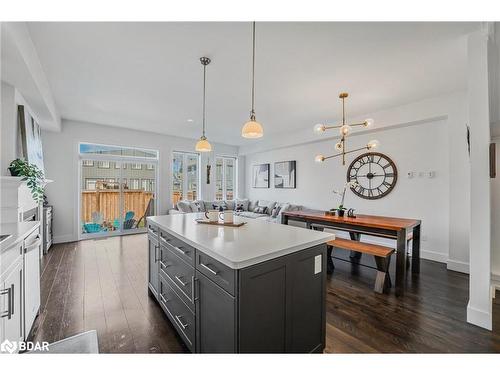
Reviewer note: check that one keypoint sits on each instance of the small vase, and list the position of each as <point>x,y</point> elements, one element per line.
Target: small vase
<point>341,213</point>
<point>13,172</point>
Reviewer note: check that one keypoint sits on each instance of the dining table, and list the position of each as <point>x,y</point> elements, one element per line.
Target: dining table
<point>399,229</point>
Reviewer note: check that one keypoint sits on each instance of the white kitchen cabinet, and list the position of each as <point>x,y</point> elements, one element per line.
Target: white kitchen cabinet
<point>11,289</point>
<point>32,251</point>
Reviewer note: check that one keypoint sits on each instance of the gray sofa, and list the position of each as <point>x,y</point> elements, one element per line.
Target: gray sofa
<point>258,209</point>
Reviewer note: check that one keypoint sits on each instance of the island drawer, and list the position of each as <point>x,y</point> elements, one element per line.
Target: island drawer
<point>219,273</point>
<point>180,315</point>
<point>185,251</point>
<point>153,231</point>
<point>178,272</point>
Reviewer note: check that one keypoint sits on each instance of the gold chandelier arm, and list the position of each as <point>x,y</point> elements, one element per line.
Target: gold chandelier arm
<point>332,127</point>
<point>359,124</point>
<point>356,150</point>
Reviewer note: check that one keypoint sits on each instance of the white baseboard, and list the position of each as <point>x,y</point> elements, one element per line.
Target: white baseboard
<point>434,255</point>
<point>64,238</point>
<point>479,317</point>
<point>457,265</point>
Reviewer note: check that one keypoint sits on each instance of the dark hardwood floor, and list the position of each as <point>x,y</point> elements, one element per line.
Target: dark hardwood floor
<point>102,285</point>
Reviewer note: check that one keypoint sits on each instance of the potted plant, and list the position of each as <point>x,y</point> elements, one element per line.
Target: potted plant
<point>33,176</point>
<point>341,209</point>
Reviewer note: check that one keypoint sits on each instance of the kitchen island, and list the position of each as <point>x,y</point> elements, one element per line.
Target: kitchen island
<point>258,288</point>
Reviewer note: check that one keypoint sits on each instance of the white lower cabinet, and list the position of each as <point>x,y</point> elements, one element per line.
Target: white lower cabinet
<point>11,289</point>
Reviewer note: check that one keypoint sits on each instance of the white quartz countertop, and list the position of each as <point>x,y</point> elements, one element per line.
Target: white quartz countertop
<point>17,231</point>
<point>252,243</point>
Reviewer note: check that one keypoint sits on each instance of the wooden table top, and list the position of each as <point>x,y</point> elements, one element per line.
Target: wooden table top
<point>369,221</point>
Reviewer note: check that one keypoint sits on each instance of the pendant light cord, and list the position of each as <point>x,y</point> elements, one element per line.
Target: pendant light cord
<point>252,114</point>
<point>204,88</point>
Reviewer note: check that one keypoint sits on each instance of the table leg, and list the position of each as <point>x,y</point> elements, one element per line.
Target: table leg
<point>415,255</point>
<point>355,237</point>
<point>400,262</point>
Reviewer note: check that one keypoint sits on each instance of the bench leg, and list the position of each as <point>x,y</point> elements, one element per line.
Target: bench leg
<point>355,255</point>
<point>383,280</point>
<point>329,261</point>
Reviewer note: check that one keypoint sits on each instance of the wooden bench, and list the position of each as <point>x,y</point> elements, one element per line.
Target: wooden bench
<point>382,255</point>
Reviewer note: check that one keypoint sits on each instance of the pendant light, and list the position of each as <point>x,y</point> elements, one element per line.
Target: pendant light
<point>252,129</point>
<point>203,145</point>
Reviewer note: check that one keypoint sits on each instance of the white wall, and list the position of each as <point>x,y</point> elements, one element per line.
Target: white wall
<point>418,148</point>
<point>61,165</point>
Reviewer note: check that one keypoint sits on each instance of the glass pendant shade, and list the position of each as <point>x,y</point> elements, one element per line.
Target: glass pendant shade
<point>372,144</point>
<point>319,128</point>
<point>203,145</point>
<point>345,130</point>
<point>319,159</point>
<point>252,129</point>
<point>338,146</point>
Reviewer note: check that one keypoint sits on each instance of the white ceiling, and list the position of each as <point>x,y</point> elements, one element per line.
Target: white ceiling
<point>148,75</point>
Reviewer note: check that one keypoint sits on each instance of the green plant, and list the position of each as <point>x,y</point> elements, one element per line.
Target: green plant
<point>33,176</point>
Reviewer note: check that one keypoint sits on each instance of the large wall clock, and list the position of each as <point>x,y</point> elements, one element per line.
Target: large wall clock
<point>375,173</point>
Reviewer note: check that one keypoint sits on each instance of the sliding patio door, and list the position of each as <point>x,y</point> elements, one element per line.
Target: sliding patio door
<point>118,189</point>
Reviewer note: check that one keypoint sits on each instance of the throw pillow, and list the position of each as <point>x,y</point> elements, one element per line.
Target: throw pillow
<point>195,206</point>
<point>275,211</point>
<point>270,205</point>
<point>184,206</point>
<point>243,203</point>
<point>252,205</point>
<point>260,210</point>
<point>231,205</point>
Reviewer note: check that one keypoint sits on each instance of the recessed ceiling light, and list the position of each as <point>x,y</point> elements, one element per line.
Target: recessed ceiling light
<point>189,120</point>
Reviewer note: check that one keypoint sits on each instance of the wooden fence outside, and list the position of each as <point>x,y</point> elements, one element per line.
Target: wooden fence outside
<point>108,203</point>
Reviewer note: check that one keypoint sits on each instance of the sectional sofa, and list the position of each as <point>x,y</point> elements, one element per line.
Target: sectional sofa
<point>253,209</point>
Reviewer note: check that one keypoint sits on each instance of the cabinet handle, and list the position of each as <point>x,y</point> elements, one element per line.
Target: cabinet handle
<point>213,272</point>
<point>33,245</point>
<point>166,239</point>
<point>179,249</point>
<point>156,253</point>
<point>164,299</point>
<point>10,302</point>
<point>183,325</point>
<point>193,280</point>
<point>179,280</point>
<point>164,265</point>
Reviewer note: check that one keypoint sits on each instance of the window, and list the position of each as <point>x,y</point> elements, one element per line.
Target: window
<point>134,184</point>
<point>88,163</point>
<point>131,152</point>
<point>123,166</point>
<point>185,176</point>
<point>103,164</point>
<point>148,184</point>
<point>225,178</point>
<point>90,183</point>
<point>150,167</point>
<point>136,166</point>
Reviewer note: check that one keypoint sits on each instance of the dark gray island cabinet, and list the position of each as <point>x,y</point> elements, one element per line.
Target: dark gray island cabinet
<point>259,288</point>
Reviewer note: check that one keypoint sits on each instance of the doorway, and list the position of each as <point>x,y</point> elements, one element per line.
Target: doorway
<point>117,189</point>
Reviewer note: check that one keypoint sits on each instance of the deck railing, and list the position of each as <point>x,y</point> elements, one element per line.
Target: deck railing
<point>108,203</point>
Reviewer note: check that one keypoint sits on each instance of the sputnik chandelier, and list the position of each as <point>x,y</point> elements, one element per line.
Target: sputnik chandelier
<point>345,129</point>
